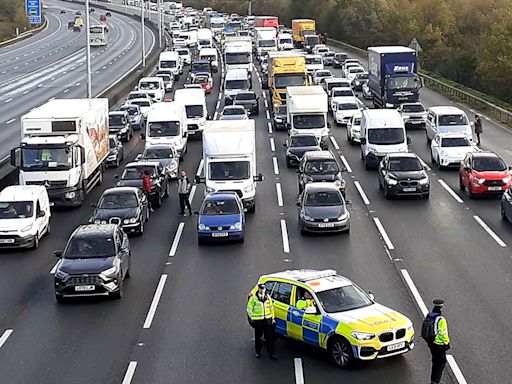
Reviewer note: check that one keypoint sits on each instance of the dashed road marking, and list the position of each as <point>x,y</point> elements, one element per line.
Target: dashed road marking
<point>383,233</point>
<point>362,193</point>
<point>5,336</point>
<point>299,373</point>
<point>279,195</point>
<point>284,235</point>
<point>451,191</point>
<point>496,238</point>
<point>456,370</point>
<point>269,125</point>
<point>130,371</point>
<point>200,168</point>
<point>176,240</point>
<point>276,166</point>
<point>334,143</point>
<point>154,303</point>
<point>414,291</point>
<point>9,121</point>
<point>272,145</point>
<point>267,114</point>
<point>347,165</point>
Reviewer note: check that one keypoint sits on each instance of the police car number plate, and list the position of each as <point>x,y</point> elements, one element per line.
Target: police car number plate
<point>81,288</point>
<point>397,346</point>
<point>219,234</point>
<point>326,225</point>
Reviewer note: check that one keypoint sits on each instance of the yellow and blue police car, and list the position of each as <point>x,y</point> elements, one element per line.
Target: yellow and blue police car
<point>336,315</point>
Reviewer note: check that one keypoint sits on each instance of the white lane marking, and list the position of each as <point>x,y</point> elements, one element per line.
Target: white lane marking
<point>176,240</point>
<point>66,90</point>
<point>414,291</point>
<point>9,121</point>
<point>5,336</point>
<point>25,92</point>
<point>52,271</point>
<point>269,125</point>
<point>279,195</point>
<point>333,141</point>
<point>456,370</point>
<point>347,165</point>
<point>8,100</point>
<point>192,193</point>
<point>272,145</point>
<point>284,235</point>
<point>215,115</point>
<point>130,371</point>
<point>266,103</point>
<point>264,94</point>
<point>267,114</point>
<point>451,191</point>
<point>276,167</point>
<point>362,193</point>
<point>220,95</point>
<point>299,373</point>
<point>500,242</point>
<point>154,303</point>
<point>200,168</point>
<point>383,233</point>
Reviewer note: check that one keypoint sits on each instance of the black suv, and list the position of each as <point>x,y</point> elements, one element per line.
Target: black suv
<point>280,117</point>
<point>132,177</point>
<point>318,166</point>
<point>339,60</point>
<point>119,124</point>
<point>403,174</point>
<point>95,262</point>
<point>249,101</point>
<point>297,145</point>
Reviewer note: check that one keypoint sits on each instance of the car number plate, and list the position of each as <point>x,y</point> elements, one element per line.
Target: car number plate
<point>409,189</point>
<point>415,121</point>
<point>82,288</point>
<point>6,241</point>
<point>219,234</point>
<point>397,346</point>
<point>494,188</point>
<point>326,225</point>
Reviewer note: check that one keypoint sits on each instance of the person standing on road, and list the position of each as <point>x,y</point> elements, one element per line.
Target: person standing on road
<point>260,310</point>
<point>146,187</point>
<point>478,128</point>
<point>435,332</point>
<point>184,187</point>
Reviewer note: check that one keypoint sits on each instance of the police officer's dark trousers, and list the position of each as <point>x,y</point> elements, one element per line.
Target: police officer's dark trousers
<point>438,362</point>
<point>264,327</point>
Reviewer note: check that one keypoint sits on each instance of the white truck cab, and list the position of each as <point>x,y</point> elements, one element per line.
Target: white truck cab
<point>153,86</point>
<point>170,60</point>
<point>194,101</point>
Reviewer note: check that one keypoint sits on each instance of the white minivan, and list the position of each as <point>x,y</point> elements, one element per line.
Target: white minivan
<point>382,132</point>
<point>447,120</point>
<point>153,86</point>
<point>194,101</point>
<point>235,81</point>
<point>170,60</point>
<point>24,216</point>
<point>211,55</point>
<point>167,124</point>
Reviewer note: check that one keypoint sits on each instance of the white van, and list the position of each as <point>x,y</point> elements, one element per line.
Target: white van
<point>153,86</point>
<point>170,60</point>
<point>447,120</point>
<point>382,132</point>
<point>194,101</point>
<point>204,38</point>
<point>211,55</point>
<point>167,124</point>
<point>284,42</point>
<point>24,216</point>
<point>314,62</point>
<point>236,81</point>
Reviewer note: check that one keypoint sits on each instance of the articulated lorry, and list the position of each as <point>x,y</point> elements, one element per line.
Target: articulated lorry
<point>229,153</point>
<point>63,146</point>
<point>285,68</point>
<point>393,76</point>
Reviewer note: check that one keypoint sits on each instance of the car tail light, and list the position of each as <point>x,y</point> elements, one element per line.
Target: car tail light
<point>168,101</point>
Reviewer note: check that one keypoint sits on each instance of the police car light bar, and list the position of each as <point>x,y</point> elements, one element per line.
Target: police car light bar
<point>317,275</point>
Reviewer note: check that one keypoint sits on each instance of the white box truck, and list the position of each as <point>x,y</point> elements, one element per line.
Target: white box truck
<point>266,39</point>
<point>307,112</point>
<point>63,145</point>
<point>229,153</point>
<point>238,53</point>
<point>194,101</point>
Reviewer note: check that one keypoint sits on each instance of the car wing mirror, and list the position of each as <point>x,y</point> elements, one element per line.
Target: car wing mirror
<point>409,140</point>
<point>138,157</point>
<point>371,295</point>
<point>297,203</point>
<point>363,140</point>
<point>199,180</point>
<point>116,177</point>
<point>94,205</point>
<point>196,212</point>
<point>259,177</point>
<point>58,253</point>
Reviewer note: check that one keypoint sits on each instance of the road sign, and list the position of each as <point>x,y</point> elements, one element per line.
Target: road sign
<point>33,8</point>
<point>415,45</point>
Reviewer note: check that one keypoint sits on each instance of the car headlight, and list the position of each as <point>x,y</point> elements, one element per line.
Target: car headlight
<point>133,220</point>
<point>238,225</point>
<point>391,181</point>
<point>343,217</point>
<point>111,272</point>
<point>278,120</point>
<point>307,218</point>
<point>443,153</point>
<point>479,180</point>
<point>424,180</point>
<point>97,221</point>
<point>507,179</point>
<point>124,130</point>
<point>126,221</point>
<point>60,274</point>
<point>27,228</point>
<point>249,188</point>
<point>362,335</point>
<point>337,183</point>
<point>201,227</point>
<point>70,195</point>
<point>209,190</point>
<point>357,82</point>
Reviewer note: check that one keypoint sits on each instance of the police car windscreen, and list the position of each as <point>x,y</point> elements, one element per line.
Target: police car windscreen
<point>343,299</point>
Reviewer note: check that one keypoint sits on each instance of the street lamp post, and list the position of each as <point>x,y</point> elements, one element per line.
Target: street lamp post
<point>142,31</point>
<point>88,50</point>
<point>159,10</point>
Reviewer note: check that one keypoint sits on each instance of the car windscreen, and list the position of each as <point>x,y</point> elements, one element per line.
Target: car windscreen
<point>229,170</point>
<point>194,111</point>
<point>165,78</point>
<point>362,76</point>
<point>303,141</point>
<point>183,52</point>
<point>90,247</point>
<point>136,172</point>
<point>132,110</point>
<point>314,167</point>
<point>236,84</point>
<point>233,111</point>
<point>282,110</point>
<point>220,207</point>
<point>404,164</point>
<point>96,30</point>
<point>347,106</point>
<point>200,67</point>
<point>453,120</point>
<point>157,153</point>
<point>356,70</point>
<point>356,122</point>
<point>329,54</point>
<point>246,96</point>
<point>323,74</point>
<point>136,95</point>
<point>343,299</point>
<point>448,142</point>
<point>323,199</point>
<point>482,164</point>
<point>313,60</point>
<point>42,158</point>
<point>238,58</point>
<point>118,201</point>
<point>386,136</point>
<point>340,56</point>
<point>285,41</point>
<point>116,120</point>
<point>168,64</point>
<point>414,108</point>
<point>142,103</point>
<point>342,92</point>
<point>308,121</point>
<point>149,85</point>
<point>16,209</point>
<point>164,128</point>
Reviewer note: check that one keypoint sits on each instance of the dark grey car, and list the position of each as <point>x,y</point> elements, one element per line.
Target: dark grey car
<point>249,101</point>
<point>403,174</point>
<point>297,145</point>
<point>280,117</point>
<point>119,123</point>
<point>320,166</point>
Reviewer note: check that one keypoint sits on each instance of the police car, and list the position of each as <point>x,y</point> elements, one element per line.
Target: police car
<point>344,319</point>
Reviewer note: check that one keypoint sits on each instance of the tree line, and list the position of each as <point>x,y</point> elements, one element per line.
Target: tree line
<point>467,41</point>
<point>12,16</point>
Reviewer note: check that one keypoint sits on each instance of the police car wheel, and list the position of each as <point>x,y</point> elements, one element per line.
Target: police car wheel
<point>340,351</point>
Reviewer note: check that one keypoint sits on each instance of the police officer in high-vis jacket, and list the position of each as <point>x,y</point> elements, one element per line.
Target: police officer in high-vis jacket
<point>441,342</point>
<point>260,310</point>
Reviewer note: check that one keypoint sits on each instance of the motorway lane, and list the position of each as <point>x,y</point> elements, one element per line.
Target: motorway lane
<point>64,75</point>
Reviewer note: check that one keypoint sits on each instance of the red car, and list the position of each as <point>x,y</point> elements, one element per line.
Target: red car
<point>205,81</point>
<point>484,173</point>
<point>103,18</point>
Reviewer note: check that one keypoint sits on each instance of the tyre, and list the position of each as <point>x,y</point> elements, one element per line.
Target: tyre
<point>119,294</point>
<point>288,164</point>
<point>362,155</point>
<point>469,192</point>
<point>503,214</point>
<point>462,187</point>
<point>340,352</point>
<point>60,299</point>
<point>252,209</point>
<point>427,196</point>
<point>118,162</point>
<point>49,229</point>
<point>386,194</point>
<point>200,241</point>
<point>380,185</point>
<point>141,229</point>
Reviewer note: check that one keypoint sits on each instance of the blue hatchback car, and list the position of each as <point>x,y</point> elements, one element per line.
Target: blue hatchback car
<point>221,217</point>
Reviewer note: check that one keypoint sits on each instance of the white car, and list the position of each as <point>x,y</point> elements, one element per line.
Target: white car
<point>366,91</point>
<point>321,74</point>
<point>449,149</point>
<point>354,129</point>
<point>144,104</point>
<point>339,92</point>
<point>174,25</point>
<point>344,109</point>
<point>413,114</point>
<point>168,81</point>
<point>234,112</point>
<point>353,71</point>
<point>185,56</point>
<point>320,47</point>
<point>179,43</point>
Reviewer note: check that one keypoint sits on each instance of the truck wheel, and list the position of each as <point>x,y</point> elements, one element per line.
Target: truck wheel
<point>340,352</point>
<point>119,294</point>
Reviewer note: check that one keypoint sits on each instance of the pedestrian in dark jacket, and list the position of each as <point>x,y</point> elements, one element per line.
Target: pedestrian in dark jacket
<point>184,187</point>
<point>478,128</point>
<point>146,187</point>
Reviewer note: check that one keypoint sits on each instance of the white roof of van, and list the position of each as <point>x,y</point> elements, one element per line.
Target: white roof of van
<point>234,74</point>
<point>150,78</point>
<point>165,111</point>
<point>391,49</point>
<point>63,108</point>
<point>447,110</point>
<point>305,90</point>
<point>383,118</point>
<point>169,55</point>
<point>20,192</point>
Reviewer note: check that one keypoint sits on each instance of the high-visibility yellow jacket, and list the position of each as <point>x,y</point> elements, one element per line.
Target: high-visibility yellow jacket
<point>260,310</point>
